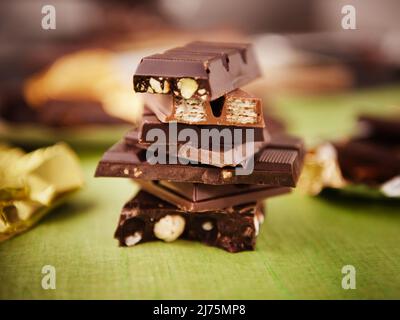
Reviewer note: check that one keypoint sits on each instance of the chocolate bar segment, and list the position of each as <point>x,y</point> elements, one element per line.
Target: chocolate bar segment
<point>204,70</point>
<point>215,150</point>
<point>151,122</point>
<point>273,166</point>
<point>146,218</point>
<point>236,108</point>
<point>222,156</point>
<point>194,197</point>
<point>211,145</point>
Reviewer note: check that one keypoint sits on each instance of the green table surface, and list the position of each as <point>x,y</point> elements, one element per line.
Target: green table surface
<point>302,247</point>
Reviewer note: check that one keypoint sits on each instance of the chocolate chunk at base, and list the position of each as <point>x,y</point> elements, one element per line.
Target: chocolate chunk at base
<point>195,197</point>
<point>146,218</point>
<point>274,166</point>
<point>206,70</point>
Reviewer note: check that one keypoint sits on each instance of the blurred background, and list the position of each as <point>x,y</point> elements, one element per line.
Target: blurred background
<point>79,75</point>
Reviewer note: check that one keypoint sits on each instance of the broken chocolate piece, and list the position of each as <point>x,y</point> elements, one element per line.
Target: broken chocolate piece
<point>215,150</point>
<point>151,122</point>
<point>273,166</point>
<point>236,108</point>
<point>222,156</point>
<point>195,197</point>
<point>147,218</point>
<point>369,162</point>
<point>203,70</point>
<point>213,144</point>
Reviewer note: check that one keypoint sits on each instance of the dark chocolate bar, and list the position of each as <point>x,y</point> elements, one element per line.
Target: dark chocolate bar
<point>194,197</point>
<point>218,152</point>
<point>204,70</point>
<point>275,165</point>
<point>147,218</point>
<point>221,156</point>
<point>236,108</point>
<point>151,122</point>
<point>368,162</point>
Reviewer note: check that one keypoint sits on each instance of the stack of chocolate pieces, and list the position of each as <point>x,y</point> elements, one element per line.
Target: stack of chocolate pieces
<point>203,155</point>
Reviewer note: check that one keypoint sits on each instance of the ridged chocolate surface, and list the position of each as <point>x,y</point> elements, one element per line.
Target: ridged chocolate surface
<point>367,161</point>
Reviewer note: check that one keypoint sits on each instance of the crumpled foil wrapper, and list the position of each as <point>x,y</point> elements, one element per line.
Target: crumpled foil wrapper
<point>31,184</point>
<point>322,171</point>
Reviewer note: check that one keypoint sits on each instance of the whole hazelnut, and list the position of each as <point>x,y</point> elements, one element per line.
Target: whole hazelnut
<point>169,228</point>
<point>187,87</point>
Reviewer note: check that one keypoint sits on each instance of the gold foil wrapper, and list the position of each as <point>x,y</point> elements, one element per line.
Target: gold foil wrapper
<point>12,186</point>
<point>31,184</point>
<point>321,170</point>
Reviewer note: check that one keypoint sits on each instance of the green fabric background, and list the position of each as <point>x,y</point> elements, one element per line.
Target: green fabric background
<point>302,247</point>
